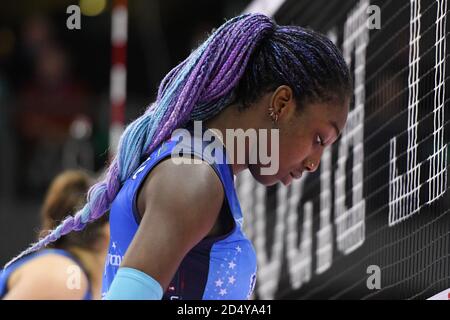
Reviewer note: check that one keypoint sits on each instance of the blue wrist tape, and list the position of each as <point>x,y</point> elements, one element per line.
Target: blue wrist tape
<point>132,284</point>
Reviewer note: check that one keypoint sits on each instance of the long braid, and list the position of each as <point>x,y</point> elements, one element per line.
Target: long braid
<point>180,91</point>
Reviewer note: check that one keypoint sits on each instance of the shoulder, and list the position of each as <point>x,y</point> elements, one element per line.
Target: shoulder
<point>48,276</point>
<point>184,199</point>
<point>183,184</point>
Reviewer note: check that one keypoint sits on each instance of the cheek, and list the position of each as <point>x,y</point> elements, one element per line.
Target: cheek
<point>294,148</point>
<point>291,156</point>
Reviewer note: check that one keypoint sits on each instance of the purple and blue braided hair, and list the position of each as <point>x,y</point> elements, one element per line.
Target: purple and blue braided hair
<point>243,58</point>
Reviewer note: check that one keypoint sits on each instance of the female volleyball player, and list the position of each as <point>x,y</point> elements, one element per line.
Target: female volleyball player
<point>176,228</point>
<point>73,267</point>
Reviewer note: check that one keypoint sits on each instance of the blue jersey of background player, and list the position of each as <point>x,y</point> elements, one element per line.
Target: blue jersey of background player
<point>25,279</point>
<point>72,267</point>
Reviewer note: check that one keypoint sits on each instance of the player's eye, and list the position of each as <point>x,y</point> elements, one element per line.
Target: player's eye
<point>319,140</point>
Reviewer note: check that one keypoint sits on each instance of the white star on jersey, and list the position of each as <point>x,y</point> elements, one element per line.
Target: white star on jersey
<point>231,265</point>
<point>223,292</point>
<point>219,283</point>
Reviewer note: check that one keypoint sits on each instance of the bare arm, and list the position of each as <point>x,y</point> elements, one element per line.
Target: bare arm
<point>180,204</point>
<point>49,277</point>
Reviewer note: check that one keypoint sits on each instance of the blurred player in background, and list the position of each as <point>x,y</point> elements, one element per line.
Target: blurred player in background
<point>72,266</point>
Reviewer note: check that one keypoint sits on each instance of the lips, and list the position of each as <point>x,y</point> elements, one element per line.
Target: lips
<point>290,177</point>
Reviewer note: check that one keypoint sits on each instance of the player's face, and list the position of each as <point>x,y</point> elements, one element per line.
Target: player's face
<point>303,139</point>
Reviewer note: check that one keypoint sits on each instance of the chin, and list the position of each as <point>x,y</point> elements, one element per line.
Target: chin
<point>266,180</point>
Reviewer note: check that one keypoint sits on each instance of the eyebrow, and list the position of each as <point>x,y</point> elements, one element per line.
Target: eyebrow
<point>338,133</point>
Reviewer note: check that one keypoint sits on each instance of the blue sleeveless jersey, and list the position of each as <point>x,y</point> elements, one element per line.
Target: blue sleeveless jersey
<point>6,273</point>
<point>222,267</point>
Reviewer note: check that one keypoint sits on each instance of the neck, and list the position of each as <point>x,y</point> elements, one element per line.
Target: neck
<point>231,118</point>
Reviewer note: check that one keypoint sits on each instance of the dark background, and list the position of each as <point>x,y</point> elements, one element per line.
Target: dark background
<point>50,75</point>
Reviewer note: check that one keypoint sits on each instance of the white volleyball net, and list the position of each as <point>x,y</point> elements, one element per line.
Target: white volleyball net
<point>373,221</point>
